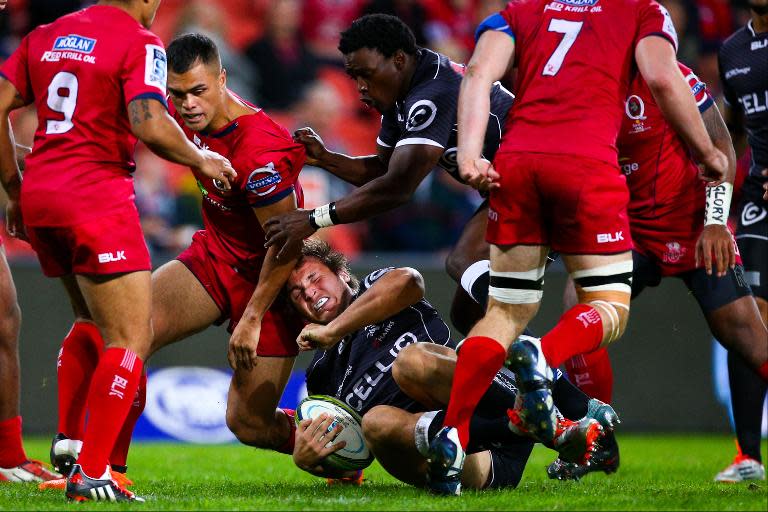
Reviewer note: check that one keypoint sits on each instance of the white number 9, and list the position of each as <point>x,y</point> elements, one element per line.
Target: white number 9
<point>62,104</point>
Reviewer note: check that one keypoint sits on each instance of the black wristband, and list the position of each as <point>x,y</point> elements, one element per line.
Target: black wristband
<point>332,213</point>
<point>312,221</point>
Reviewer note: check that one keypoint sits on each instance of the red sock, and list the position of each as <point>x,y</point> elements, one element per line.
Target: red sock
<point>592,373</point>
<point>763,371</point>
<point>119,455</point>
<point>478,361</point>
<point>78,357</point>
<point>291,441</point>
<point>579,331</point>
<point>11,450</point>
<point>112,391</point>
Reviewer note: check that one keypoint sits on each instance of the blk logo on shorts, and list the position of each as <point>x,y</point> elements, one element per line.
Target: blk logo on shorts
<point>108,257</point>
<point>608,238</point>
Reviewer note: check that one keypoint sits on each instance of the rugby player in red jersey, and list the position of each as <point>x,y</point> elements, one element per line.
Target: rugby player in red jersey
<point>226,273</point>
<point>15,466</point>
<point>679,230</point>
<point>555,184</point>
<point>97,78</point>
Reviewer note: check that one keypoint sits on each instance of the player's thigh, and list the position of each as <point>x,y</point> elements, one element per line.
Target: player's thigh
<point>471,245</point>
<point>424,371</point>
<point>254,394</point>
<point>120,306</point>
<point>181,306</point>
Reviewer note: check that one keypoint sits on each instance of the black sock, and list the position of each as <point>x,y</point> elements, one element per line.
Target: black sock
<point>480,289</point>
<point>482,431</point>
<point>571,401</point>
<point>747,399</point>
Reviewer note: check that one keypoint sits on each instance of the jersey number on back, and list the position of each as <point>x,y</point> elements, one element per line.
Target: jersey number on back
<point>62,98</point>
<point>569,29</point>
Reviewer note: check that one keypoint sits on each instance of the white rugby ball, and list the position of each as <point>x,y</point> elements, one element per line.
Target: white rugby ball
<point>355,455</point>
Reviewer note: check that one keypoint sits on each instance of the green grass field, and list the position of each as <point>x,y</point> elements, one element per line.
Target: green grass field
<point>657,473</point>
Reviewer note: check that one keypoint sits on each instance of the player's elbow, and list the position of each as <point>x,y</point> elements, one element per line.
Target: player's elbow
<point>657,63</point>
<point>411,284</point>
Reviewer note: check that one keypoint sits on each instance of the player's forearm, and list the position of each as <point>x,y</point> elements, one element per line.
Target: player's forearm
<point>9,167</point>
<point>357,170</point>
<point>392,293</point>
<point>373,198</point>
<point>474,105</point>
<point>272,277</point>
<point>721,138</point>
<point>152,124</point>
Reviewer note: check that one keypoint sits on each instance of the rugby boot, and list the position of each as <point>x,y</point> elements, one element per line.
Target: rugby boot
<point>604,458</point>
<point>534,378</point>
<point>574,441</point>
<point>81,487</point>
<point>355,479</point>
<point>28,471</point>
<point>445,460</point>
<point>64,453</point>
<point>603,413</point>
<point>61,483</point>
<point>742,469</point>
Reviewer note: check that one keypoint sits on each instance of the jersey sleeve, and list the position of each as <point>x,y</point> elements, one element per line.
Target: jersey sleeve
<point>654,20</point>
<point>389,132</point>
<point>699,89</point>
<point>430,114</point>
<point>16,71</point>
<point>271,175</point>
<point>498,22</point>
<point>371,278</point>
<point>145,70</point>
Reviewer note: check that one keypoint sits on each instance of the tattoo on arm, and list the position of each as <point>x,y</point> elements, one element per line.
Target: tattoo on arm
<point>716,127</point>
<point>139,111</point>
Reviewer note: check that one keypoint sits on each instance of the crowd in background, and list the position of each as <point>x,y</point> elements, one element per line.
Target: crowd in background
<point>282,56</point>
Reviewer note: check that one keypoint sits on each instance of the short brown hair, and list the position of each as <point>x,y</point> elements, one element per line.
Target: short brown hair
<point>334,260</point>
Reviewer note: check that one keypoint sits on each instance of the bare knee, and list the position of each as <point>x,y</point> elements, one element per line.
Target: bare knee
<point>10,322</point>
<point>377,426</point>
<point>411,370</point>
<point>456,263</point>
<point>261,431</point>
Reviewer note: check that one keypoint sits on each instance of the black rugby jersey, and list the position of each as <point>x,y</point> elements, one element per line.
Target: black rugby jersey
<point>743,64</point>
<point>358,370</point>
<point>428,113</point>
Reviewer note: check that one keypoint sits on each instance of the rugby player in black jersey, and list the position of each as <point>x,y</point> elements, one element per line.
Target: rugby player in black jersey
<point>743,64</point>
<point>416,90</point>
<point>386,352</point>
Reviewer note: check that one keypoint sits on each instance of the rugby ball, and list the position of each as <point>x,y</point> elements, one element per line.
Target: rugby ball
<point>355,455</point>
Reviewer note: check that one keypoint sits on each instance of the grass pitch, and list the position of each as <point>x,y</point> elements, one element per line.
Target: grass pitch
<point>657,473</point>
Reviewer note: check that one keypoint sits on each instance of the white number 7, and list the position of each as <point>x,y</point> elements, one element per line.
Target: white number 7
<point>569,29</point>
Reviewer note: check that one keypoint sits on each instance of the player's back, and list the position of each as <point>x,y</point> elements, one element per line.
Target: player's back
<point>575,59</point>
<point>81,71</point>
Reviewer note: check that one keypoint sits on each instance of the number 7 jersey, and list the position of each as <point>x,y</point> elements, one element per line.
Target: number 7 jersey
<point>575,59</point>
<point>81,72</point>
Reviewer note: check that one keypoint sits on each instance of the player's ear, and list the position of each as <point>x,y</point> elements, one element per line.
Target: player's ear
<point>223,77</point>
<point>398,58</point>
<point>344,276</point>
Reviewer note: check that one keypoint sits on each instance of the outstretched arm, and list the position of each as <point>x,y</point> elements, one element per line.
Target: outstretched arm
<point>492,57</point>
<point>357,170</point>
<point>387,296</point>
<point>408,167</point>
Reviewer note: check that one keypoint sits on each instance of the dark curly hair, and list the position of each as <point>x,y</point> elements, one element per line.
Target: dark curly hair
<point>334,260</point>
<point>186,49</point>
<point>380,32</point>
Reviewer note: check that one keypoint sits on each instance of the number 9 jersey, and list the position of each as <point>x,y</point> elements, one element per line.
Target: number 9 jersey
<point>81,72</point>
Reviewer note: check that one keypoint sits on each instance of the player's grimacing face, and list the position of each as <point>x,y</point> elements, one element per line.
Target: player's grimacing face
<point>317,293</point>
<point>378,78</point>
<point>198,96</point>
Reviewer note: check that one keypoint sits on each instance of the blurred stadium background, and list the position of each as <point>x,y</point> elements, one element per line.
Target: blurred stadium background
<point>281,54</point>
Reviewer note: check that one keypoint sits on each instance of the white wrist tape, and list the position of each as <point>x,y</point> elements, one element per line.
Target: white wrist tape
<point>718,205</point>
<point>323,216</point>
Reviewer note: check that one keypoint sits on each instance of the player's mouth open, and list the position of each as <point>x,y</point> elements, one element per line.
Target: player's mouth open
<point>319,304</point>
<point>192,118</point>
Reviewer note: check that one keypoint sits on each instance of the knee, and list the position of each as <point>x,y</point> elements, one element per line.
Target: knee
<point>10,323</point>
<point>376,426</point>
<point>250,430</point>
<point>455,264</point>
<point>410,367</point>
